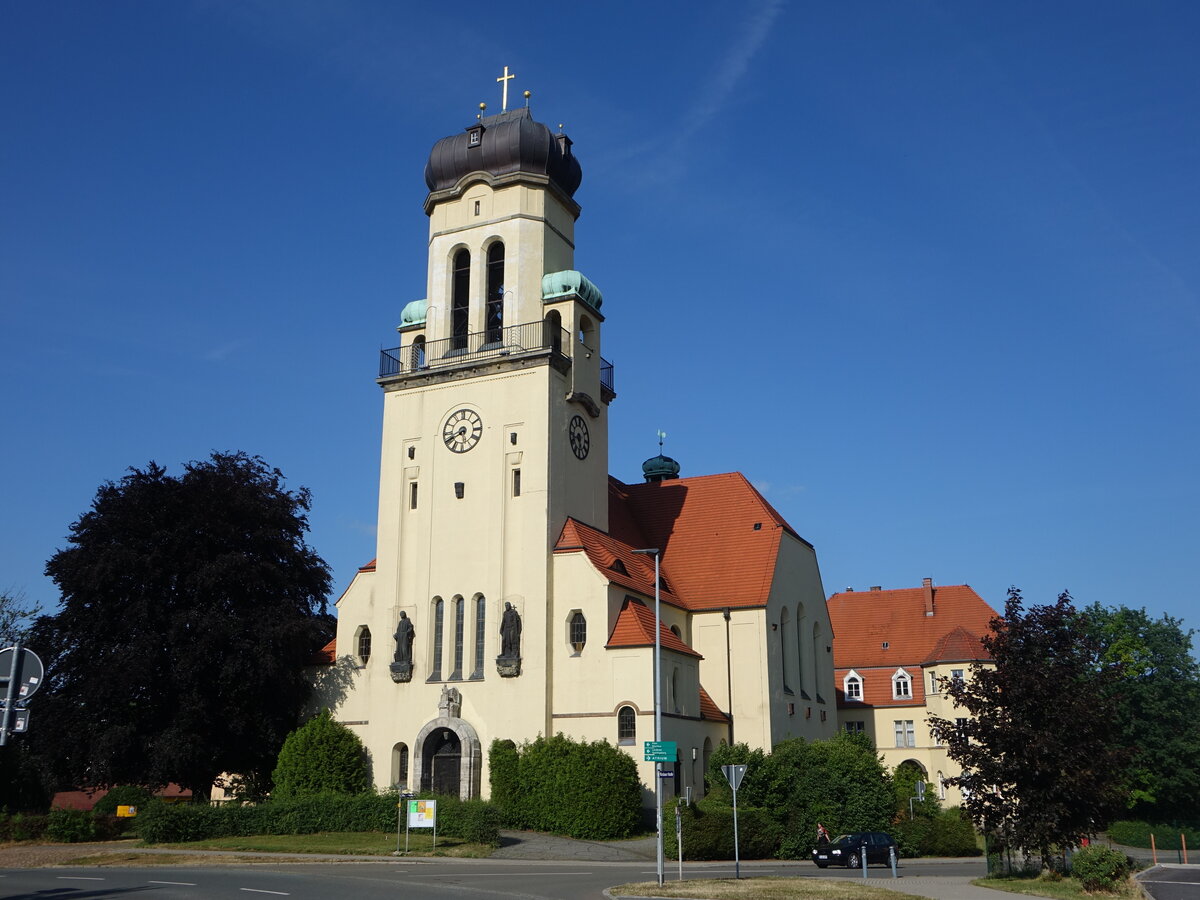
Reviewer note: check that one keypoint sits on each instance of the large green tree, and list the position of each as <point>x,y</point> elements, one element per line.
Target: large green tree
<point>1042,765</point>
<point>15,616</point>
<point>1158,707</point>
<point>190,605</point>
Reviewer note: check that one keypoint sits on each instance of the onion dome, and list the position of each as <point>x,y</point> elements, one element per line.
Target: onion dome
<point>504,144</point>
<point>414,313</point>
<point>660,468</point>
<point>571,283</point>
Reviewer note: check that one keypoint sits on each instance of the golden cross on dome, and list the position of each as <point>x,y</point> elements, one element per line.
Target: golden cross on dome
<point>504,79</point>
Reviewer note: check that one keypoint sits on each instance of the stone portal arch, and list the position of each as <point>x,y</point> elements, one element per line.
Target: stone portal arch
<point>448,758</point>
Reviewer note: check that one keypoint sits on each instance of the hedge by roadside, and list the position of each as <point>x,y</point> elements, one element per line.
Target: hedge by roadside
<point>471,820</point>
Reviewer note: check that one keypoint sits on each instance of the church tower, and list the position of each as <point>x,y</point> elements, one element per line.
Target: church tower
<point>495,431</point>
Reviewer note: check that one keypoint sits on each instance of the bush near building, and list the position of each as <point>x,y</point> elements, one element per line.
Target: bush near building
<point>320,757</point>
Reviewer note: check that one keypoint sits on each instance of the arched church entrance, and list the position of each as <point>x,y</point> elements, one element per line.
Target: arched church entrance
<point>442,772</point>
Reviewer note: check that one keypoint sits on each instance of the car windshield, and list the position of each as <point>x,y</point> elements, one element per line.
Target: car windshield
<point>841,837</point>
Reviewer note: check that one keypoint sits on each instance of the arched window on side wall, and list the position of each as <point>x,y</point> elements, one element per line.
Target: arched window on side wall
<point>480,634</point>
<point>785,650</point>
<point>494,309</point>
<point>578,632</point>
<point>554,331</point>
<point>626,725</point>
<point>364,644</point>
<point>460,615</point>
<point>460,300</point>
<point>439,615</point>
<point>400,765</point>
<point>801,680</point>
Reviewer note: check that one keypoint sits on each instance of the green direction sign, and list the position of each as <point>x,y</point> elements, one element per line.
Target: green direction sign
<point>659,751</point>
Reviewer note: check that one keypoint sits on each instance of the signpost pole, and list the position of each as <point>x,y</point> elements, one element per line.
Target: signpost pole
<point>10,695</point>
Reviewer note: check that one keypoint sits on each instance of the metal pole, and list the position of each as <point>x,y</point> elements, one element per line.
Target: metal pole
<point>658,715</point>
<point>737,855</point>
<point>10,695</point>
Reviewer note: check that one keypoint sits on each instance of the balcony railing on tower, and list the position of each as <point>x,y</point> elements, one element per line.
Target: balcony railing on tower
<point>514,340</point>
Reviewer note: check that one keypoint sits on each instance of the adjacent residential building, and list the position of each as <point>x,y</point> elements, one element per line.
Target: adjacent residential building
<point>893,653</point>
<point>513,588</point>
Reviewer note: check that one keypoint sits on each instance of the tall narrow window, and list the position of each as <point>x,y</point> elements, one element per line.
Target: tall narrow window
<point>460,319</point>
<point>906,735</point>
<point>400,765</point>
<point>418,353</point>
<point>412,495</point>
<point>364,644</point>
<point>480,614</point>
<point>494,310</point>
<point>516,482</point>
<point>626,725</point>
<point>785,626</point>
<point>439,614</point>
<point>459,616</point>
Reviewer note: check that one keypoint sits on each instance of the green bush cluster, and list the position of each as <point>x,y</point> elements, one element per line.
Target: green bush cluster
<point>944,833</point>
<point>1099,868</point>
<point>577,788</point>
<point>472,820</point>
<point>22,826</point>
<point>70,826</point>
<point>1166,837</point>
<point>123,795</point>
<point>320,757</point>
<point>707,829</point>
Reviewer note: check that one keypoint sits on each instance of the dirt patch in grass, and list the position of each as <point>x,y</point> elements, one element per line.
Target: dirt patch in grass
<point>760,889</point>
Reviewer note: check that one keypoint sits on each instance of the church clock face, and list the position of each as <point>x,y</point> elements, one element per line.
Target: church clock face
<point>462,430</point>
<point>581,441</point>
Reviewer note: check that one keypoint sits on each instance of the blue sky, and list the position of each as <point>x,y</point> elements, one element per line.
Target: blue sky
<point>926,272</point>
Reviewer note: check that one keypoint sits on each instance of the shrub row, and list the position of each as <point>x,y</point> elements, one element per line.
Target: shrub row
<point>946,833</point>
<point>472,820</point>
<point>1166,837</point>
<point>707,829</point>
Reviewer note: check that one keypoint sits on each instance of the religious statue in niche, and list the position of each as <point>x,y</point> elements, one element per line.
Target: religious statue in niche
<point>450,704</point>
<point>402,662</point>
<point>508,663</point>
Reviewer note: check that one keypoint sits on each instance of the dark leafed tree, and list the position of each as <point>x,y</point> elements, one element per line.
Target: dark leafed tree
<point>1158,707</point>
<point>1042,766</point>
<point>190,605</point>
<point>15,617</point>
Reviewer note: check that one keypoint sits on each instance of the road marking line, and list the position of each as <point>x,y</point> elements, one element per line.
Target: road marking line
<point>78,878</point>
<point>182,883</point>
<point>257,891</point>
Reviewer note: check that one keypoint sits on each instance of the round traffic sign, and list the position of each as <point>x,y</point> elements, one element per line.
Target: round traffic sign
<point>28,673</point>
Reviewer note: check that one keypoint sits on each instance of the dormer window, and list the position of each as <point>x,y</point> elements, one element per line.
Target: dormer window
<point>475,136</point>
<point>852,687</point>
<point>901,685</point>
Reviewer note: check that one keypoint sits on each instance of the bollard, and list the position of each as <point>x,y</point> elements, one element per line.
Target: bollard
<point>892,860</point>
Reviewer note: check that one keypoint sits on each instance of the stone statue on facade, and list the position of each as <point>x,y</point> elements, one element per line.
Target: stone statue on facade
<point>450,704</point>
<point>508,663</point>
<point>402,661</point>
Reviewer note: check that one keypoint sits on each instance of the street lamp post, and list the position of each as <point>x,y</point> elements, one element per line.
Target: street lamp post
<point>658,826</point>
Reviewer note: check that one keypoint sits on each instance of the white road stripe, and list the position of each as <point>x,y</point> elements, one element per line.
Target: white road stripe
<point>78,878</point>
<point>257,891</point>
<point>181,883</point>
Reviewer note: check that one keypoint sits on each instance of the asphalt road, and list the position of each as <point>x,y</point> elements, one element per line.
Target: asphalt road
<point>416,879</point>
<point>1172,882</point>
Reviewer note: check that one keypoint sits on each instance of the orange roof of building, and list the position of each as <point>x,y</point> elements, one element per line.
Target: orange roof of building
<point>635,628</point>
<point>718,540</point>
<point>709,709</point>
<point>877,632</point>
<point>327,655</point>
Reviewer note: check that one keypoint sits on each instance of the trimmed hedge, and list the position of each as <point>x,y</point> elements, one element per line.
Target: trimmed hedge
<point>22,826</point>
<point>70,826</point>
<point>708,831</point>
<point>947,833</point>
<point>1166,837</point>
<point>580,789</point>
<point>320,757</point>
<point>472,820</point>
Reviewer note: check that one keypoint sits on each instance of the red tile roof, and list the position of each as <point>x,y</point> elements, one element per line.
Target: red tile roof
<point>864,621</point>
<point>635,628</point>
<point>326,656</point>
<point>709,709</point>
<point>719,540</point>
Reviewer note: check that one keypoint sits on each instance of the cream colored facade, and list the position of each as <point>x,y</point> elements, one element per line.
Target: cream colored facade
<point>494,437</point>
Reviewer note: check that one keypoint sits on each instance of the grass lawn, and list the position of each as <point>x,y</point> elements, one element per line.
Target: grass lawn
<point>761,889</point>
<point>366,843</point>
<point>1065,889</point>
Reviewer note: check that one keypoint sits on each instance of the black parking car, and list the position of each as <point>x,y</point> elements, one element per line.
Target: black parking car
<point>846,849</point>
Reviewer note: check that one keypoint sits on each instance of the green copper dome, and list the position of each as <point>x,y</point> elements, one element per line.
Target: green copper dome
<point>414,313</point>
<point>557,285</point>
<point>660,468</point>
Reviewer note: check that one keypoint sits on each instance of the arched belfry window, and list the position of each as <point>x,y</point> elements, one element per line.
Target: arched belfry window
<point>494,308</point>
<point>480,616</point>
<point>460,301</point>
<point>554,331</point>
<point>418,353</point>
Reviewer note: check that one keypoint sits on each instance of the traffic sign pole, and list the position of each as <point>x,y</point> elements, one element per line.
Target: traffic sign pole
<point>10,695</point>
